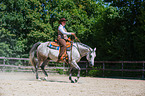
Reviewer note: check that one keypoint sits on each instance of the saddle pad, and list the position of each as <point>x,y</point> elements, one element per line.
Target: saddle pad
<point>54,45</point>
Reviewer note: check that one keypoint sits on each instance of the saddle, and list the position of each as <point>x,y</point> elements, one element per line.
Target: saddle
<point>54,45</point>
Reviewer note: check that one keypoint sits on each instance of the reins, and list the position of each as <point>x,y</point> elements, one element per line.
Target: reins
<point>78,47</point>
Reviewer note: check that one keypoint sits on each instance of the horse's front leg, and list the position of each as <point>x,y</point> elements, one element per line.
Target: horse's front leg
<point>75,65</point>
<point>78,76</point>
<point>70,74</point>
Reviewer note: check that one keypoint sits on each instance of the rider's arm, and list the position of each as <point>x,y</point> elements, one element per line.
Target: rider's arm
<point>61,29</point>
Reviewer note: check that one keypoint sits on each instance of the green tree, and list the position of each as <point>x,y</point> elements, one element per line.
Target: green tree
<point>24,19</point>
<point>5,38</point>
<point>122,34</point>
<point>117,31</point>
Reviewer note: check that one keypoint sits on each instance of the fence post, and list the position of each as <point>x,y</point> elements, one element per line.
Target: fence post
<point>143,71</point>
<point>103,69</point>
<point>4,64</point>
<point>86,69</point>
<point>63,67</point>
<point>122,69</point>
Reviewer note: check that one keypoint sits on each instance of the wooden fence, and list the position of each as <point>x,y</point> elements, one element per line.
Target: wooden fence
<point>99,65</point>
<point>23,65</point>
<point>122,64</point>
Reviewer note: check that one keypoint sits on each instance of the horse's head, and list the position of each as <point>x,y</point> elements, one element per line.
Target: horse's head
<point>91,56</point>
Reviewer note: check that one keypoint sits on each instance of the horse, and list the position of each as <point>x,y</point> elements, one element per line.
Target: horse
<point>45,54</point>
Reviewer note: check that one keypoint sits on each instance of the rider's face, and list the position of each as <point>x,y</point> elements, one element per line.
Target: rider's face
<point>63,23</point>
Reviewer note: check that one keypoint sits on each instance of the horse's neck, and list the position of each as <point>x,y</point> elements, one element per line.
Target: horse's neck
<point>83,49</point>
<point>83,52</point>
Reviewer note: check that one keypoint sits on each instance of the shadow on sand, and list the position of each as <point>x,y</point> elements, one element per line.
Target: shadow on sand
<point>43,79</point>
<point>58,81</point>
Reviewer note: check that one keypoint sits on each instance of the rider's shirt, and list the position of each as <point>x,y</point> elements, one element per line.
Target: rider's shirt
<point>62,32</point>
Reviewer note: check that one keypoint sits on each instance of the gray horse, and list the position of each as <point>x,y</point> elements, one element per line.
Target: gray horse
<point>45,54</point>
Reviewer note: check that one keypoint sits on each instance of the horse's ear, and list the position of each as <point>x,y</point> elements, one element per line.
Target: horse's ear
<point>94,49</point>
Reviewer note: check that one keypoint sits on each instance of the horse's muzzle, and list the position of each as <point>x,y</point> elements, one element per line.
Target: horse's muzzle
<point>91,64</point>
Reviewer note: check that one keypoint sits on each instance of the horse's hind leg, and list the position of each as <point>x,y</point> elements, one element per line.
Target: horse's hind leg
<point>36,70</point>
<point>43,66</point>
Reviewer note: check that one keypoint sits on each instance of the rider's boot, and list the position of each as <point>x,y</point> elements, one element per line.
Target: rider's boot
<point>60,58</point>
<point>64,58</point>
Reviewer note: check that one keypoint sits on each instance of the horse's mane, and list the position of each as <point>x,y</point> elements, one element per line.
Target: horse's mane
<point>84,45</point>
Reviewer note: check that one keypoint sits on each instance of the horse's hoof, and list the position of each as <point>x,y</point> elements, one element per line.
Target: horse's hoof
<point>69,78</point>
<point>45,78</point>
<point>72,81</point>
<point>39,79</point>
<point>76,80</point>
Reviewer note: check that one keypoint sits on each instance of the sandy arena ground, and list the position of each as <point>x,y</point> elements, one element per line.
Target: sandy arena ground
<point>25,84</point>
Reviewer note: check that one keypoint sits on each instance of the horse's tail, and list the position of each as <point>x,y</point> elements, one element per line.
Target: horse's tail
<point>32,52</point>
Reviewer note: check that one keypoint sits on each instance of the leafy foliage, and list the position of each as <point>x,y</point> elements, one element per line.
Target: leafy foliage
<point>117,31</point>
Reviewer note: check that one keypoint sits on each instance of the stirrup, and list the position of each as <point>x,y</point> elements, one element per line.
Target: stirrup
<point>64,59</point>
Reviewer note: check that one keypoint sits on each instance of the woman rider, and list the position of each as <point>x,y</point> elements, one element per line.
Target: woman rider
<point>62,37</point>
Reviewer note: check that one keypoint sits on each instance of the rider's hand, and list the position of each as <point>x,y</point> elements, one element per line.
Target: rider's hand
<point>72,33</point>
<point>76,38</point>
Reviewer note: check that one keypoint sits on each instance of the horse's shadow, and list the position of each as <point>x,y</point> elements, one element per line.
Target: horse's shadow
<point>42,79</point>
<point>58,81</point>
